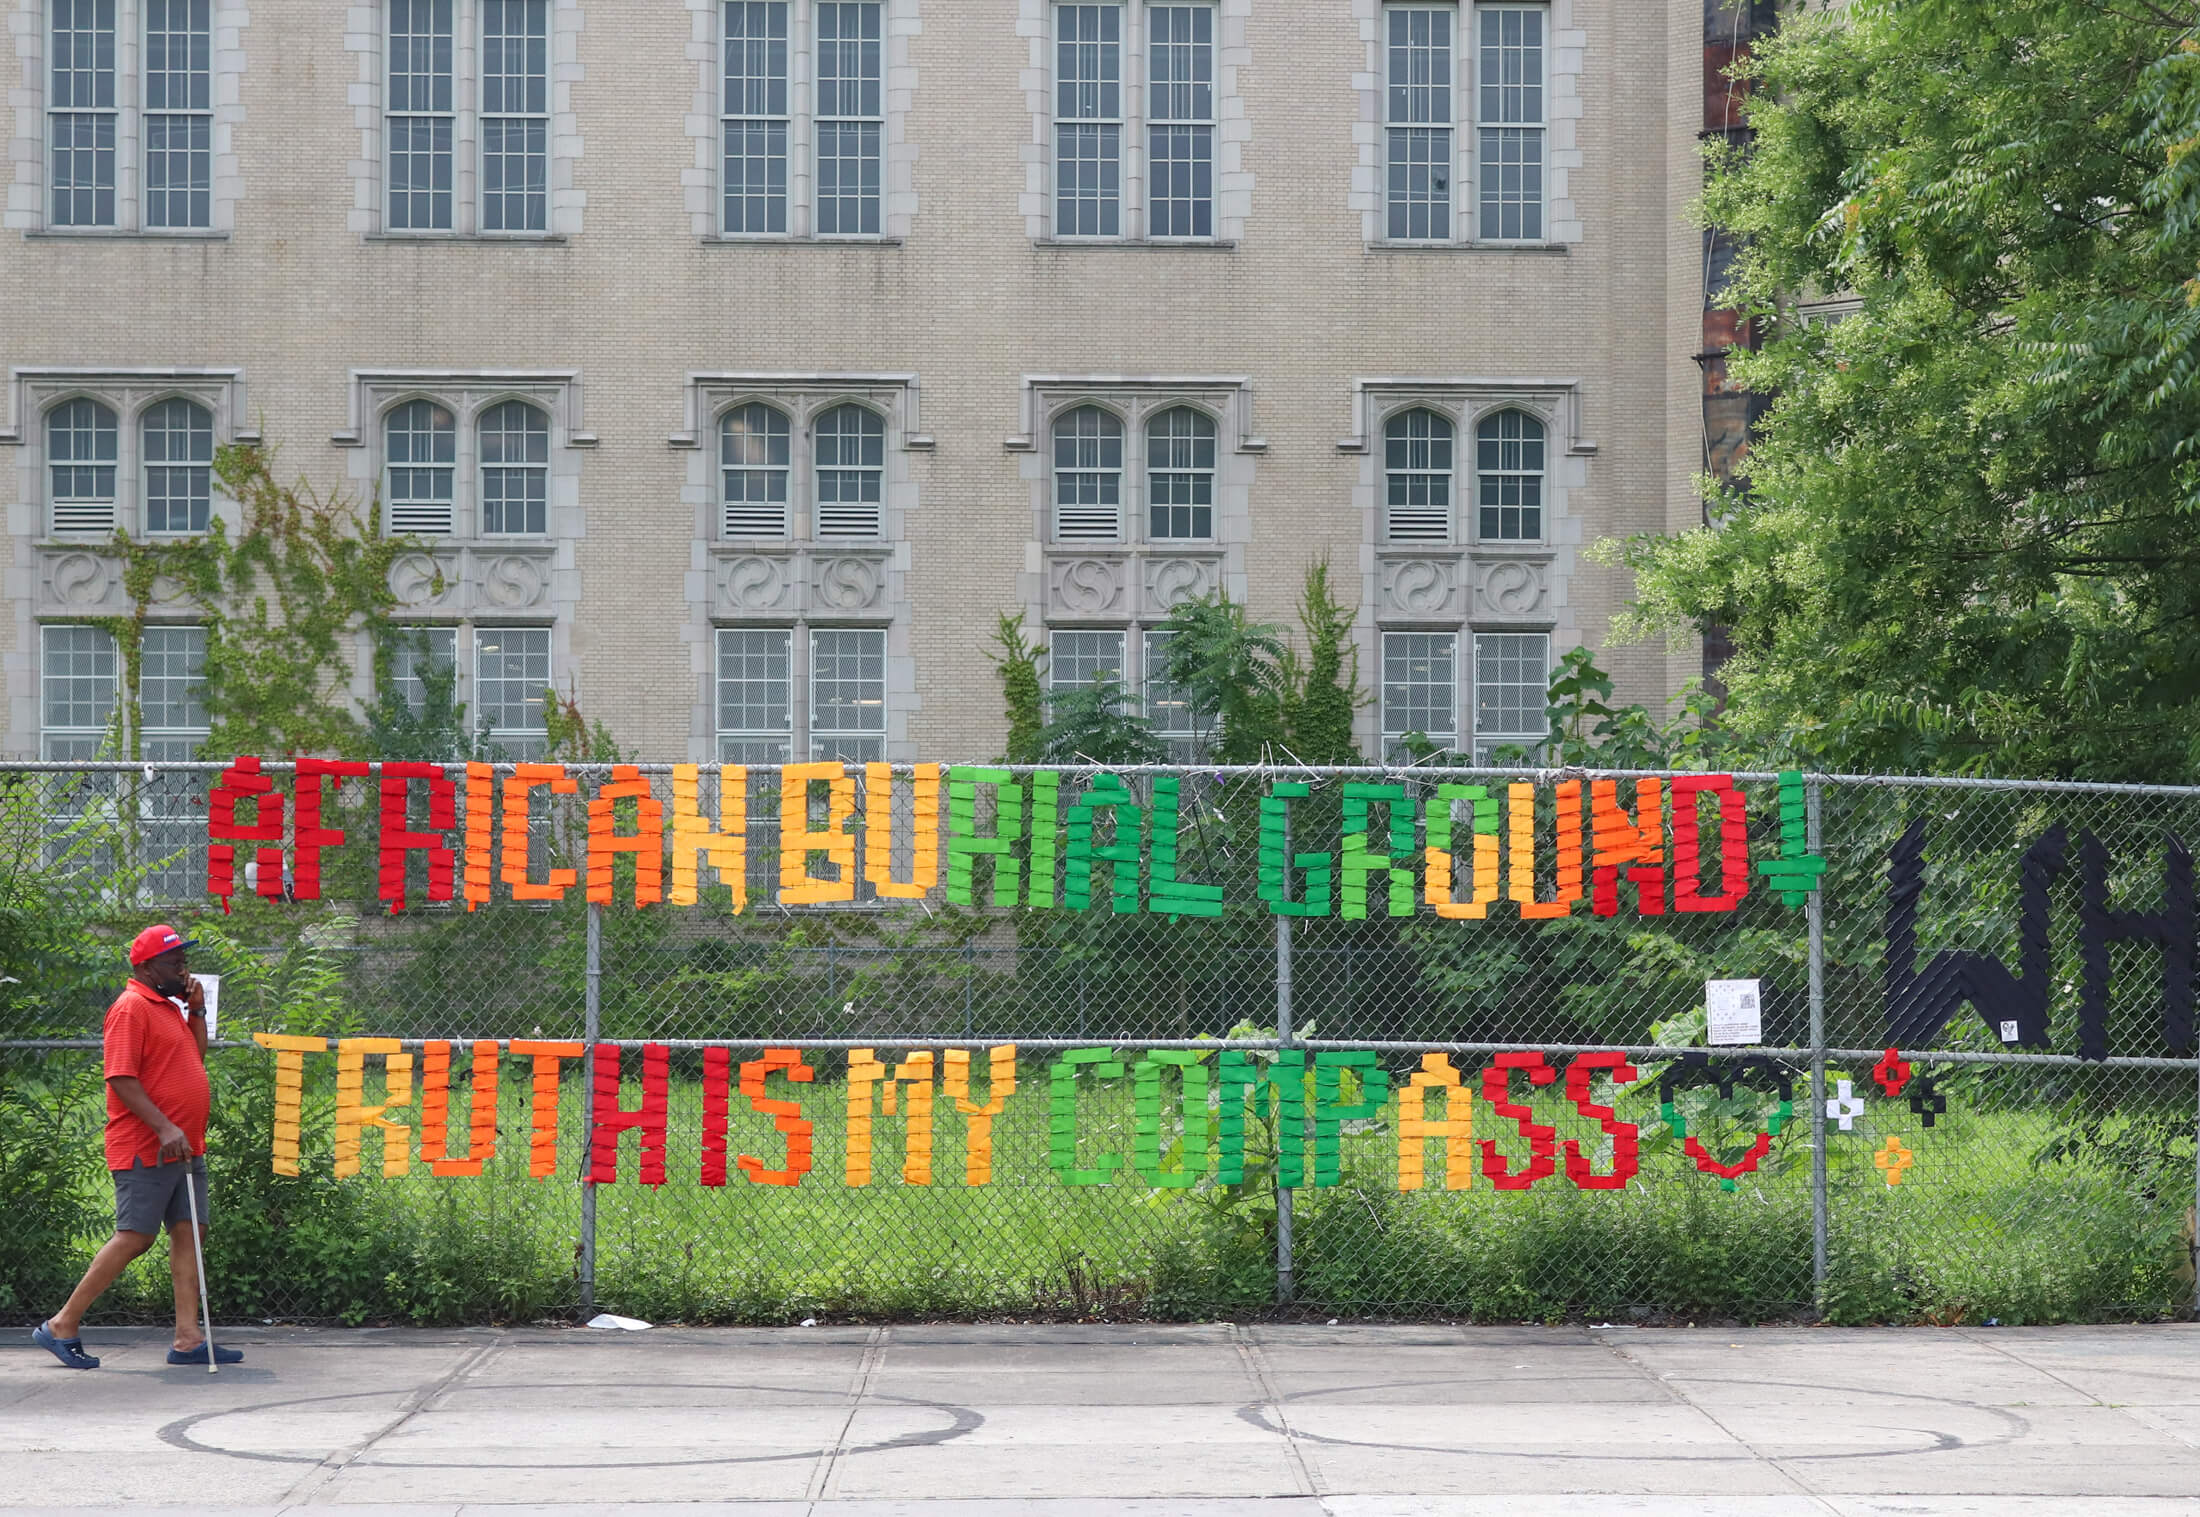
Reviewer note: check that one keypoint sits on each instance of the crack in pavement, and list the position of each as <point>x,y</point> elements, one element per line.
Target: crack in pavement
<point>319,1477</point>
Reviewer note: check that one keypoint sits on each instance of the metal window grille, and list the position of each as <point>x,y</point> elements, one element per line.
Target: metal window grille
<point>754,117</point>
<point>848,694</point>
<point>1167,706</point>
<point>515,469</point>
<point>413,652</point>
<point>1509,116</point>
<point>1512,675</point>
<point>79,674</point>
<point>1180,475</point>
<point>1418,123</point>
<point>81,115</point>
<point>755,695</point>
<point>511,681</point>
<point>81,443</point>
<point>1180,120</point>
<point>851,117</point>
<point>851,467</point>
<point>1420,690</point>
<point>1417,466</point>
<point>420,443</point>
<point>1088,476</point>
<point>178,445</point>
<point>172,806</point>
<point>179,113</point>
<point>1508,467</point>
<point>753,468</point>
<point>1088,111</point>
<point>515,115</point>
<point>1076,659</point>
<point>420,117</point>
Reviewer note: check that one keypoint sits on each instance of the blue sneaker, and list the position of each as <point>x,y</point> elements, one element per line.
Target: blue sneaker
<point>198,1355</point>
<point>70,1351</point>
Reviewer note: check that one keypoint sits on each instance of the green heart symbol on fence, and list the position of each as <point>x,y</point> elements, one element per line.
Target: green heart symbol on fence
<point>1695,1070</point>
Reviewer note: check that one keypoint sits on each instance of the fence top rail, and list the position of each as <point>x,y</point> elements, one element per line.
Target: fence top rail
<point>1279,771</point>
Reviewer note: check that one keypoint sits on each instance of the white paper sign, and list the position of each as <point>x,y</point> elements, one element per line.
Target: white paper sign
<point>212,984</point>
<point>1733,1012</point>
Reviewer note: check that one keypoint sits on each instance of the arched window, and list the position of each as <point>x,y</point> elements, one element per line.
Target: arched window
<point>851,466</point>
<point>1088,476</point>
<point>1508,466</point>
<point>1180,475</point>
<point>1417,470</point>
<point>179,466</point>
<point>753,465</point>
<point>420,447</point>
<point>515,469</point>
<point>80,466</point>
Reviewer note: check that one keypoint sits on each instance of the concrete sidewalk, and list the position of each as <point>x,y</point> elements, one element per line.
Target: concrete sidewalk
<point>1284,1421</point>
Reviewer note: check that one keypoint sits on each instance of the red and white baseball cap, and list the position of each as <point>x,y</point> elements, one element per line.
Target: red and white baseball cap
<point>155,941</point>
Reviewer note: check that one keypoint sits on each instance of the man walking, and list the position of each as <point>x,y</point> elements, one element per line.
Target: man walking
<point>157,1102</point>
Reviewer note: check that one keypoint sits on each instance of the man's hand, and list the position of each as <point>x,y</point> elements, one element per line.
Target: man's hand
<point>173,1143</point>
<point>194,996</point>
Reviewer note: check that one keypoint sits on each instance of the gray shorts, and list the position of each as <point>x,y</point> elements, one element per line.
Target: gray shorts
<point>147,1195</point>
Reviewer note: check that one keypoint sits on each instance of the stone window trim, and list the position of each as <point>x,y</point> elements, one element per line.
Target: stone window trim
<point>467,394</point>
<point>33,391</point>
<point>1135,399</point>
<point>1565,45</point>
<point>1233,182</point>
<point>366,35</point>
<point>28,204</point>
<point>1464,400</point>
<point>702,182</point>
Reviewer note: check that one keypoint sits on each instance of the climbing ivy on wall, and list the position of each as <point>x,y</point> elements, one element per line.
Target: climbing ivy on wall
<point>282,597</point>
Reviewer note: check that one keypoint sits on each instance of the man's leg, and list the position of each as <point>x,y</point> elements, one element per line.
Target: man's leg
<point>107,1266</point>
<point>183,1269</point>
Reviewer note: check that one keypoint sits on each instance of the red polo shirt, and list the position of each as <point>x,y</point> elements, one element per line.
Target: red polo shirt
<point>148,1039</point>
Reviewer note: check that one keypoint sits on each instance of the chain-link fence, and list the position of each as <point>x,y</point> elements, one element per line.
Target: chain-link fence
<point>1419,1043</point>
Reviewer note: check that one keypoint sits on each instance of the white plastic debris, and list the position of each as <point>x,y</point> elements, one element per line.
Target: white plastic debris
<point>625,1324</point>
<point>809,1322</point>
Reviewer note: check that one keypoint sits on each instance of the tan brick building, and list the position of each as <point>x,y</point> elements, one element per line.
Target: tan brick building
<point>738,362</point>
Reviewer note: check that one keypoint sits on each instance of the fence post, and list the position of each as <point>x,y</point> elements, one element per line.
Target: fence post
<point>2196,1198</point>
<point>1815,911</point>
<point>591,1028</point>
<point>1283,1191</point>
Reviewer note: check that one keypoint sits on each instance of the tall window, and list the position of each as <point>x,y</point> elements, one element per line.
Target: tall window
<point>179,113</point>
<point>1417,112</point>
<point>79,674</point>
<point>851,117</point>
<point>515,469</point>
<point>1088,476</point>
<point>178,449</point>
<point>1512,672</point>
<point>1180,475</point>
<point>1417,465</point>
<point>1088,132</point>
<point>414,652</point>
<point>1420,690</point>
<point>515,115</point>
<point>80,466</point>
<point>422,115</point>
<point>1508,470</point>
<point>511,674</point>
<point>1076,659</point>
<point>851,468</point>
<point>171,689</point>
<point>759,126</point>
<point>1180,120</point>
<point>1167,707</point>
<point>755,695</point>
<point>848,695</point>
<point>420,441</point>
<point>1509,118</point>
<point>81,114</point>
<point>754,462</point>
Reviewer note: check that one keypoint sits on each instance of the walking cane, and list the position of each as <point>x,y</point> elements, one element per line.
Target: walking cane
<point>198,1252</point>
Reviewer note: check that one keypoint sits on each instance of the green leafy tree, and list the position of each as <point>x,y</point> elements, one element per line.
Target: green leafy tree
<point>1018,663</point>
<point>1323,692</point>
<point>1968,540</point>
<point>435,729</point>
<point>1231,670</point>
<point>1093,723</point>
